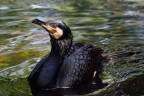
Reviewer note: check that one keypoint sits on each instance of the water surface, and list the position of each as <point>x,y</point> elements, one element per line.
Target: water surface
<point>116,26</point>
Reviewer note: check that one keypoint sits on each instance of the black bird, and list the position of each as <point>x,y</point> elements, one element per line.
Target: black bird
<point>67,66</point>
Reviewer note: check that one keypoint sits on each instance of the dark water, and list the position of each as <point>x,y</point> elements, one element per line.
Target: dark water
<point>116,26</point>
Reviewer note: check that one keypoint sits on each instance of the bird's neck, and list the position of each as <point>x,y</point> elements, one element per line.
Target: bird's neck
<point>61,47</point>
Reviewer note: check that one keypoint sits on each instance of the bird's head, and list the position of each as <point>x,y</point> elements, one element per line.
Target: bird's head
<point>57,29</point>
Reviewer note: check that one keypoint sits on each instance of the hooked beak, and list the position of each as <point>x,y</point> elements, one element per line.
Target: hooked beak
<point>38,22</point>
<point>44,25</point>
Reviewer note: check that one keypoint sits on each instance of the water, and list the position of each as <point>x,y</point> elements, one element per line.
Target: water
<point>115,25</point>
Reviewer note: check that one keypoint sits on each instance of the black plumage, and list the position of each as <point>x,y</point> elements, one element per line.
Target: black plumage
<point>78,68</point>
<point>68,65</point>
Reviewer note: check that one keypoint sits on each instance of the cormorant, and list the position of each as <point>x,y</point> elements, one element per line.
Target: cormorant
<point>67,66</point>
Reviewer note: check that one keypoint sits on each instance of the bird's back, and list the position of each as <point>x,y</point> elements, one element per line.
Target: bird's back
<point>79,67</point>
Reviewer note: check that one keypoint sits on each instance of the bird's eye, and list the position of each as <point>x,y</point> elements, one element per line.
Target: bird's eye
<point>54,25</point>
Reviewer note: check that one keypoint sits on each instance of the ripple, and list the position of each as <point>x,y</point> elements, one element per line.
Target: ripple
<point>4,7</point>
<point>37,6</point>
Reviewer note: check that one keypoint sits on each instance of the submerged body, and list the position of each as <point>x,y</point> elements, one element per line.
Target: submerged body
<point>67,65</point>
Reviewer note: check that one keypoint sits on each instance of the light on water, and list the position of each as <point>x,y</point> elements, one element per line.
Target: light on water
<point>117,26</point>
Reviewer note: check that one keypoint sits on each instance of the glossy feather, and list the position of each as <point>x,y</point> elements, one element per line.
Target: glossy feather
<point>79,67</point>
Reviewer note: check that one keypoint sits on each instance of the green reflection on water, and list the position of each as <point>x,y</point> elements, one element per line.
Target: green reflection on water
<point>114,25</point>
<point>18,87</point>
<point>4,37</point>
<point>18,57</point>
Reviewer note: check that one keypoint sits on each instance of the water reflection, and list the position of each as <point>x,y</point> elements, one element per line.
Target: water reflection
<point>112,24</point>
<point>69,91</point>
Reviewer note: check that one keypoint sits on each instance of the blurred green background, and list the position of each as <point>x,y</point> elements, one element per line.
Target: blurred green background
<point>114,25</point>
